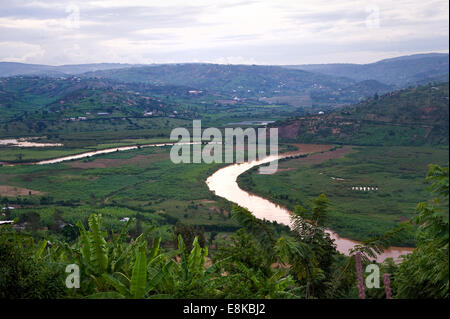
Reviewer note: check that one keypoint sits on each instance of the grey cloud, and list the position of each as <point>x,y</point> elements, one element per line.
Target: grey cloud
<point>127,22</point>
<point>98,24</point>
<point>143,16</point>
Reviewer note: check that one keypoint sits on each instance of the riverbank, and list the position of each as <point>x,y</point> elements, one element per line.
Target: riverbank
<point>224,184</point>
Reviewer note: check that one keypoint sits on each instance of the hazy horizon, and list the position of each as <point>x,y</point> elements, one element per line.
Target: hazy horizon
<point>201,62</point>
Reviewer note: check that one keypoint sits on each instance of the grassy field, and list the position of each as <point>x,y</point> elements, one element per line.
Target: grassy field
<point>144,181</point>
<point>397,172</point>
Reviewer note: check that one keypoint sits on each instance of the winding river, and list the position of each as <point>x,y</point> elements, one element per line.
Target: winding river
<point>224,184</point>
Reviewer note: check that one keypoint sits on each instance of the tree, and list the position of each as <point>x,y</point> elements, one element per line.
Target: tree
<point>188,233</point>
<point>313,266</point>
<point>425,272</point>
<point>32,219</point>
<point>25,272</point>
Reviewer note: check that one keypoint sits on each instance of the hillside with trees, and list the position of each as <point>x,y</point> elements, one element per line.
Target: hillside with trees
<point>414,116</point>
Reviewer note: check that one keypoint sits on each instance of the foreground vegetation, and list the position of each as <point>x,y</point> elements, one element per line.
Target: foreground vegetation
<point>257,261</point>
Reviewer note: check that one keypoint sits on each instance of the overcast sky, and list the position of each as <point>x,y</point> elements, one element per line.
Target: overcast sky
<point>228,31</point>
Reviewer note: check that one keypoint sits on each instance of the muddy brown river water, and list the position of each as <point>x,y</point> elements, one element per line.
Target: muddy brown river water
<point>224,184</point>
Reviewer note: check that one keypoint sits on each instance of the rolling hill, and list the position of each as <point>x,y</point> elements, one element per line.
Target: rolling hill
<point>323,86</point>
<point>272,84</point>
<point>413,116</point>
<point>27,98</point>
<point>238,79</point>
<point>400,71</point>
<point>231,82</point>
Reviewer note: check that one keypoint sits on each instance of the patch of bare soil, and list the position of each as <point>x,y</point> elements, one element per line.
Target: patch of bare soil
<point>13,191</point>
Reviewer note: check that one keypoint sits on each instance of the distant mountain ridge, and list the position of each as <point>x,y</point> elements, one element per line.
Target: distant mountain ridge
<point>400,71</point>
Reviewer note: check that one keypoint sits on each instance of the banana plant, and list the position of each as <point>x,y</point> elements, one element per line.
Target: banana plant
<point>121,269</point>
<point>97,257</point>
<point>40,249</point>
<point>187,276</point>
<point>97,244</point>
<point>134,287</point>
